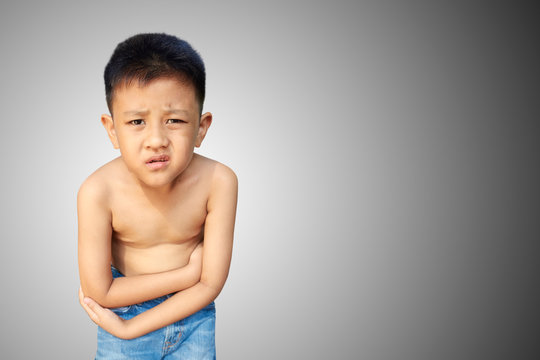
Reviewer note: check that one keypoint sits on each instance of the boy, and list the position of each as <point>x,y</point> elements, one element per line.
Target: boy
<point>144,216</point>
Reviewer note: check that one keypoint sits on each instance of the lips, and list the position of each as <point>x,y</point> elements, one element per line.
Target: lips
<point>157,162</point>
<point>159,158</point>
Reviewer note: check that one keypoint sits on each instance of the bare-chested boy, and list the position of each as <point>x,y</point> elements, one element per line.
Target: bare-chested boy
<point>156,224</point>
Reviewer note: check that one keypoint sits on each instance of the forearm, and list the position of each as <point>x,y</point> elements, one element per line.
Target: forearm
<point>124,291</point>
<point>177,307</point>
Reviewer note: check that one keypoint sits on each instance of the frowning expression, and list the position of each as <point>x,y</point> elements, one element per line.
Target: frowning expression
<point>156,127</point>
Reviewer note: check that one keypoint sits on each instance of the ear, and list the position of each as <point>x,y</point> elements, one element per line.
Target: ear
<point>204,124</point>
<point>108,124</point>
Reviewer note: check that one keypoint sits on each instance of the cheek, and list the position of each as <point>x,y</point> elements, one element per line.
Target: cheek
<point>184,140</point>
<point>129,146</point>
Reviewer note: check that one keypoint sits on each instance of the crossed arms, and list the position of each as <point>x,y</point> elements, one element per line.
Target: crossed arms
<point>196,286</point>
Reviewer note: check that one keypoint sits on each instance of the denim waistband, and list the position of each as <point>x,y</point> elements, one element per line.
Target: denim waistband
<point>115,272</point>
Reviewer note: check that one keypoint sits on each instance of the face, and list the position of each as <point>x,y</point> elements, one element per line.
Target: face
<point>156,127</point>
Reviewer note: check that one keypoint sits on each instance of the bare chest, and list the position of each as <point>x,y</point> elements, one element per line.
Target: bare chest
<point>137,222</point>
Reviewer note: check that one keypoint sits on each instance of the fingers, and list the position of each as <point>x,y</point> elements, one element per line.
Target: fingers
<point>81,297</point>
<point>89,306</point>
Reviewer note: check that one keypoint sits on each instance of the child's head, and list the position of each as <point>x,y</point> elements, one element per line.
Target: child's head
<point>146,57</point>
<point>155,87</point>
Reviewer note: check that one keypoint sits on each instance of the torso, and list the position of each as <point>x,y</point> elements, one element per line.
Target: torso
<point>154,235</point>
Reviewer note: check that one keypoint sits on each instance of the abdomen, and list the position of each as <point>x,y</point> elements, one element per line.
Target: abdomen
<point>131,260</point>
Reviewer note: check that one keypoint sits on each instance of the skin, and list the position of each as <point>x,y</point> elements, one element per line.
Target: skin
<point>150,221</point>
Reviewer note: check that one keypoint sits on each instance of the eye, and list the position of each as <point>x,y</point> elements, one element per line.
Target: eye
<point>136,122</point>
<point>175,121</point>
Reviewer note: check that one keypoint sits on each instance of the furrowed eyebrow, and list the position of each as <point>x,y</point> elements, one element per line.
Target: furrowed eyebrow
<point>136,112</point>
<point>145,112</point>
<point>177,111</point>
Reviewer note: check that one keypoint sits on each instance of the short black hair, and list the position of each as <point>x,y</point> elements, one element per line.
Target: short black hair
<point>145,57</point>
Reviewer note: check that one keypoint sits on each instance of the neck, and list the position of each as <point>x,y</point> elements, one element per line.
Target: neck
<point>159,197</point>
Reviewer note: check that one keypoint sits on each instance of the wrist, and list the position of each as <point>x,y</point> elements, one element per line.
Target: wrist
<point>128,331</point>
<point>186,271</point>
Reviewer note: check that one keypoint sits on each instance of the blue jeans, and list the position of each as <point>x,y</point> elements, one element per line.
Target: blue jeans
<point>189,338</point>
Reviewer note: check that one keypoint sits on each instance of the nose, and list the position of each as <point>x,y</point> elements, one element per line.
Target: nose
<point>156,137</point>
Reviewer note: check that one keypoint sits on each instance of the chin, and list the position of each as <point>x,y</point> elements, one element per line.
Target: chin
<point>157,183</point>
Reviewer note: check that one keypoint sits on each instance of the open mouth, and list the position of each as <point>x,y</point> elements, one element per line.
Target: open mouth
<point>157,162</point>
<point>158,159</point>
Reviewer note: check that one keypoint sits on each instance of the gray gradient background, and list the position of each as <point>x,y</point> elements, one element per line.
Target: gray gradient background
<point>388,159</point>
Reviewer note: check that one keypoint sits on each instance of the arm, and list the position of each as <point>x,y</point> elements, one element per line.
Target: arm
<point>94,246</point>
<point>218,240</point>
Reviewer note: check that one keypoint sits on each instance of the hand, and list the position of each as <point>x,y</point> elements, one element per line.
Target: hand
<point>104,317</point>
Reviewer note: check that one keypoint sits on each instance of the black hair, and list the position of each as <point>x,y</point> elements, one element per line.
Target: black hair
<point>145,57</point>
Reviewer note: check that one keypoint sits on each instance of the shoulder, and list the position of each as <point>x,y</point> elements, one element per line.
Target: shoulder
<point>222,185</point>
<point>224,176</point>
<point>218,173</point>
<point>223,188</point>
<point>219,179</point>
<point>98,185</point>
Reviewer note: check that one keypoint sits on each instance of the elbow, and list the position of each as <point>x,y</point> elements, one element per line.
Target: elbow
<point>212,288</point>
<point>98,296</point>
<point>104,302</point>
